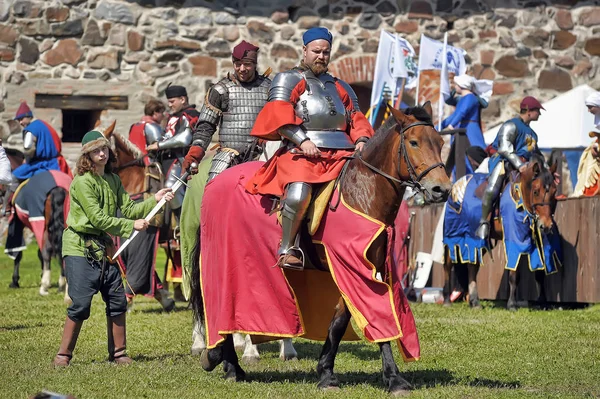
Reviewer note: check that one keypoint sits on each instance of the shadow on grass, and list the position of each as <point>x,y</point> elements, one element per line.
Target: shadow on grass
<point>176,309</point>
<point>419,379</point>
<point>18,327</point>
<point>163,357</point>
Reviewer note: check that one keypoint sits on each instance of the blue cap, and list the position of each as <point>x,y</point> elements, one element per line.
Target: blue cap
<point>316,34</point>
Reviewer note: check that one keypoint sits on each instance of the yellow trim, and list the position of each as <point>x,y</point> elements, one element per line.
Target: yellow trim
<point>17,191</point>
<point>358,317</point>
<point>303,329</point>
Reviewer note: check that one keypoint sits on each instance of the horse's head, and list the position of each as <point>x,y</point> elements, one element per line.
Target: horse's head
<point>419,148</point>
<point>125,152</point>
<point>539,191</point>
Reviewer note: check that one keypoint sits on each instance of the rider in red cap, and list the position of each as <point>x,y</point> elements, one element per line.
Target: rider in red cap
<point>515,143</point>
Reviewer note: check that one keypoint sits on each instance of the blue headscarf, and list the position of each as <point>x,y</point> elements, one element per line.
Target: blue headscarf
<point>316,34</point>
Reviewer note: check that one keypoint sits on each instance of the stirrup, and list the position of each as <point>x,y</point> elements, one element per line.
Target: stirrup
<point>282,259</point>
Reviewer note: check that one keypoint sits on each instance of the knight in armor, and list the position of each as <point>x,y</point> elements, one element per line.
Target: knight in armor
<point>176,140</point>
<point>515,143</point>
<point>149,130</point>
<point>321,124</point>
<point>42,148</point>
<point>233,103</point>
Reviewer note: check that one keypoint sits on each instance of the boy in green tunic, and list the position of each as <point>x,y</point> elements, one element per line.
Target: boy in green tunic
<point>95,195</point>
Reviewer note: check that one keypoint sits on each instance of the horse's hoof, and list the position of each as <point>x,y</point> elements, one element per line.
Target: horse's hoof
<point>400,387</point>
<point>511,308</point>
<point>211,358</point>
<point>329,382</point>
<point>250,359</point>
<point>14,285</point>
<point>447,304</point>
<point>289,358</point>
<point>43,291</point>
<point>235,376</point>
<point>398,393</point>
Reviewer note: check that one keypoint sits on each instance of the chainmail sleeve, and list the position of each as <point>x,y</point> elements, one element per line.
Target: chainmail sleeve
<point>210,116</point>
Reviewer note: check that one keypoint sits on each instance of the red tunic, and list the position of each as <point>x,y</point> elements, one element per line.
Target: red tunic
<point>285,167</point>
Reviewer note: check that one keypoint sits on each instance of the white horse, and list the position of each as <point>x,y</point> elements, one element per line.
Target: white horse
<point>251,354</point>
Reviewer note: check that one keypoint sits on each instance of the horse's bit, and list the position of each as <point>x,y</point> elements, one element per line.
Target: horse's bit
<point>414,178</point>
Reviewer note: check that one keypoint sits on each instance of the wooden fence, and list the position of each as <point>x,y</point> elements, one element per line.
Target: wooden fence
<point>578,280</point>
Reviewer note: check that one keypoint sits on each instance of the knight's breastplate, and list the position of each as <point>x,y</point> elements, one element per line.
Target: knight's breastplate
<point>323,113</point>
<point>244,105</point>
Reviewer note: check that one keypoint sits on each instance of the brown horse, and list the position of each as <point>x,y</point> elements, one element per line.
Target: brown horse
<point>53,229</point>
<point>538,191</point>
<point>404,152</point>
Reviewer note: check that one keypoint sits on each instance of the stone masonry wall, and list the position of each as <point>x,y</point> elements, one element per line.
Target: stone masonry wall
<point>137,47</point>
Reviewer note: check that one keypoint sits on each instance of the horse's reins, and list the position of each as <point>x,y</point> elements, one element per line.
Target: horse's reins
<point>414,178</point>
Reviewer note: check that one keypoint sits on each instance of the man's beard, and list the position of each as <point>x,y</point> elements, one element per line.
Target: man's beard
<point>316,68</point>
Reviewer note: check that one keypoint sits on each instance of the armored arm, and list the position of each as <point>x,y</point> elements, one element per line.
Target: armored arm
<point>181,139</point>
<point>153,133</point>
<point>29,143</point>
<point>281,90</point>
<point>210,115</point>
<point>506,138</point>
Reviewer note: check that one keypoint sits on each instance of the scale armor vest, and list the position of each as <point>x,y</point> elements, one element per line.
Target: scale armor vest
<point>244,104</point>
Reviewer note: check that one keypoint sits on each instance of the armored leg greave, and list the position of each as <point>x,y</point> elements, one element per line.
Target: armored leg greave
<point>495,181</point>
<point>295,203</point>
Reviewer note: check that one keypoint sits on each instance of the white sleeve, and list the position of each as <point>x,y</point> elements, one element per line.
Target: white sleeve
<point>5,173</point>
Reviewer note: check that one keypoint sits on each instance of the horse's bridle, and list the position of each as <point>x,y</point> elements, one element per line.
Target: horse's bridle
<point>414,180</point>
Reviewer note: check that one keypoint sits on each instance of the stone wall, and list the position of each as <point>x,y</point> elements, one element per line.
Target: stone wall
<point>137,47</point>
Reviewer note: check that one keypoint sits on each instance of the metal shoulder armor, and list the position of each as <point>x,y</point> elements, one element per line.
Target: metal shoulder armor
<point>182,138</point>
<point>28,142</point>
<point>506,143</point>
<point>351,93</point>
<point>153,133</point>
<point>282,85</point>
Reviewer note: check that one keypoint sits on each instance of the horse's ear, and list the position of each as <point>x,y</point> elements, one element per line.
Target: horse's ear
<point>109,130</point>
<point>536,169</point>
<point>398,114</point>
<point>428,109</point>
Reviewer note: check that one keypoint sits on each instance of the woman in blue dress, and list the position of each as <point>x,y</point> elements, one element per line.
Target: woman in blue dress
<point>467,113</point>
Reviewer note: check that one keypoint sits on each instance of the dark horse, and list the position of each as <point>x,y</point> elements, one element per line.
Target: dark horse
<point>53,230</point>
<point>404,152</point>
<point>538,190</point>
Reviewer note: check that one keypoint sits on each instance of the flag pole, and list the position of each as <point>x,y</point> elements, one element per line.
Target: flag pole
<point>443,71</point>
<point>399,99</point>
<point>374,114</point>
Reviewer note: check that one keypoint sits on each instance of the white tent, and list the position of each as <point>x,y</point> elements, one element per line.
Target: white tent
<point>565,123</point>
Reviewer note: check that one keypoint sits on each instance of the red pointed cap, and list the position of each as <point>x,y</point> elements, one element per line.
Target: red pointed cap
<point>23,111</point>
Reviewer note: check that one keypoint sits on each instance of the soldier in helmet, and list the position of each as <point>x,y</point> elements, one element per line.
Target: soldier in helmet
<point>515,143</point>
<point>320,121</point>
<point>233,103</point>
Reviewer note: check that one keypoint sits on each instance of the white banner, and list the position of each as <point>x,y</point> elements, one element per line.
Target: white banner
<point>430,56</point>
<point>395,60</point>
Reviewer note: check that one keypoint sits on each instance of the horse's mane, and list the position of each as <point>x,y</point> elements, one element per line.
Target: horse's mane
<point>545,174</point>
<point>417,112</point>
<point>129,146</point>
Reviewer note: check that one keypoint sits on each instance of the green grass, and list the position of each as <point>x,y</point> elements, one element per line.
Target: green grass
<point>475,354</point>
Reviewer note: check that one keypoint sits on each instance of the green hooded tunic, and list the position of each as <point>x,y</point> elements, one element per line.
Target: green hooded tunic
<point>94,203</point>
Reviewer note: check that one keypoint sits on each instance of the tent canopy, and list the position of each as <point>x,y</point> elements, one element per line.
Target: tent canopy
<point>565,123</point>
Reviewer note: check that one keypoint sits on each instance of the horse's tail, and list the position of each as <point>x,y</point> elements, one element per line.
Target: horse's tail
<point>196,290</point>
<point>56,222</point>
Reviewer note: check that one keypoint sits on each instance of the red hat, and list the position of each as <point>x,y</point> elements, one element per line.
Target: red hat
<point>23,111</point>
<point>245,50</point>
<point>529,103</point>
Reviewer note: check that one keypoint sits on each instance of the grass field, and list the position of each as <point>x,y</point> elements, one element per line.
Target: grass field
<point>477,354</point>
